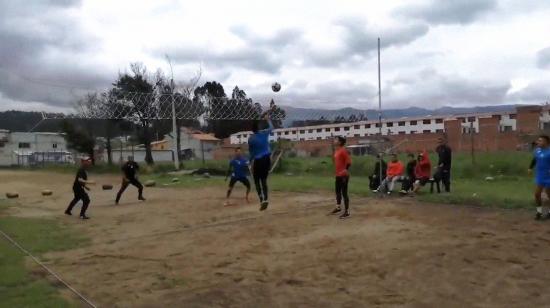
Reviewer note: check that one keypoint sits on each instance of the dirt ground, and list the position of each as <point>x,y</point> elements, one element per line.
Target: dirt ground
<point>183,248</point>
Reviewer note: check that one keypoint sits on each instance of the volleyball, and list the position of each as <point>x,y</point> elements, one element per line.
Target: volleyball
<point>276,87</point>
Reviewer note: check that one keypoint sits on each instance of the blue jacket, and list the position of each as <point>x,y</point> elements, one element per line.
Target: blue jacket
<point>258,143</point>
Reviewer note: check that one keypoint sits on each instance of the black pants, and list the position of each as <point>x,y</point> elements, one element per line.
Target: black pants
<point>79,194</point>
<point>374,181</point>
<point>260,173</point>
<point>342,191</point>
<point>232,183</point>
<point>445,175</point>
<point>407,183</point>
<point>125,184</point>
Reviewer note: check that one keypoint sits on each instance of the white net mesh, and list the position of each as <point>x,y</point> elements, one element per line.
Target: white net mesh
<point>136,106</point>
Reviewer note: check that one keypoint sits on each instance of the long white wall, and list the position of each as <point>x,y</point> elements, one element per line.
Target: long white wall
<point>429,124</point>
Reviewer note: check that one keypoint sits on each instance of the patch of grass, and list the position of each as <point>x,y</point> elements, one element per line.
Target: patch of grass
<point>18,288</point>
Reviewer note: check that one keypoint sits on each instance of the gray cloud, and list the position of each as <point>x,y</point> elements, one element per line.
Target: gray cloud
<point>448,11</point>
<point>360,41</point>
<point>39,42</point>
<point>536,92</point>
<point>428,88</point>
<point>543,58</point>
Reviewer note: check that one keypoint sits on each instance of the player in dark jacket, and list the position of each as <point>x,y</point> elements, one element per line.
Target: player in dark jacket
<point>80,185</point>
<point>129,172</point>
<point>444,165</point>
<point>410,177</point>
<point>374,178</point>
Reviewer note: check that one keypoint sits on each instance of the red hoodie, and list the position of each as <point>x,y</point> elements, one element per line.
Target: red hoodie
<point>395,169</point>
<point>423,168</point>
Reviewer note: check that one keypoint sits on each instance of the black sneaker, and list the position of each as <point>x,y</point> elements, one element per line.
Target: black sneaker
<point>68,213</point>
<point>264,205</point>
<point>84,217</point>
<point>344,216</point>
<point>547,216</point>
<point>141,199</point>
<point>336,211</point>
<point>538,216</point>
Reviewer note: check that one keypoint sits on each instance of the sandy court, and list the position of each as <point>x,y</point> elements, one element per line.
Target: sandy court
<point>183,248</point>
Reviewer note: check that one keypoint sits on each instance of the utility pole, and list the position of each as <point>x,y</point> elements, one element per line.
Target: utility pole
<point>472,131</point>
<point>379,113</point>
<point>174,125</point>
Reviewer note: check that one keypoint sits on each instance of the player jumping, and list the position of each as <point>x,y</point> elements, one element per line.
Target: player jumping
<point>238,169</point>
<point>260,158</point>
<point>129,176</point>
<point>541,162</point>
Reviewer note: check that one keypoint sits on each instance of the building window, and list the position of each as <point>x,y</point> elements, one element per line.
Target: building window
<point>357,127</point>
<point>401,123</point>
<point>512,116</point>
<point>463,120</point>
<point>438,121</point>
<point>401,133</point>
<point>413,132</point>
<point>413,122</point>
<point>377,125</point>
<point>426,131</point>
<point>367,125</point>
<point>279,133</point>
<point>346,128</point>
<point>302,131</point>
<point>439,131</point>
<point>310,131</point>
<point>24,145</point>
<point>389,124</point>
<point>319,138</point>
<point>337,129</point>
<point>286,133</point>
<point>54,145</point>
<point>426,121</point>
<point>319,130</point>
<point>357,135</point>
<point>302,139</point>
<point>507,128</point>
<point>471,119</point>
<point>327,130</point>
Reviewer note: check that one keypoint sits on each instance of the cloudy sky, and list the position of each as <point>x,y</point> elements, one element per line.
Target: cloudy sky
<point>434,53</point>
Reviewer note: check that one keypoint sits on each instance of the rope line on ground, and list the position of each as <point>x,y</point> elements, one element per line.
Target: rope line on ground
<point>22,249</point>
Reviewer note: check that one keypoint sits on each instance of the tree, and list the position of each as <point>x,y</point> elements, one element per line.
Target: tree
<point>78,139</point>
<point>136,90</point>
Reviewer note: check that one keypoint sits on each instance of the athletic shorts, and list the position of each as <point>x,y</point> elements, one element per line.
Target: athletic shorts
<point>233,181</point>
<point>542,182</point>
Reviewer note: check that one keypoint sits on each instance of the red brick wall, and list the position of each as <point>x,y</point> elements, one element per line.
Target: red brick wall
<point>528,119</point>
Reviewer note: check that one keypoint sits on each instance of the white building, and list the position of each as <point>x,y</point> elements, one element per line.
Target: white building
<point>405,126</point>
<point>195,144</point>
<point>21,148</point>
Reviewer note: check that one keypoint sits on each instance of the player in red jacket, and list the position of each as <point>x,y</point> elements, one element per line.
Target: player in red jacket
<point>423,171</point>
<point>342,162</point>
<point>394,173</point>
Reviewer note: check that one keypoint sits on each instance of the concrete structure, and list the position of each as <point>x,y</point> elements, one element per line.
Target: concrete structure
<point>195,144</point>
<point>21,148</point>
<point>499,131</point>
<point>159,156</point>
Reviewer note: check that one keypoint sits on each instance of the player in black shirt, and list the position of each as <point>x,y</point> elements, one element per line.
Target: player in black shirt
<point>129,170</point>
<point>444,166</point>
<point>79,189</point>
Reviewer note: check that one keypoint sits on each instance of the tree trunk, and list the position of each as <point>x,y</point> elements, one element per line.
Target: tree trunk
<point>178,140</point>
<point>147,141</point>
<point>108,146</point>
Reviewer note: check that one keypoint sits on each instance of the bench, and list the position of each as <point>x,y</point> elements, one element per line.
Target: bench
<point>432,182</point>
